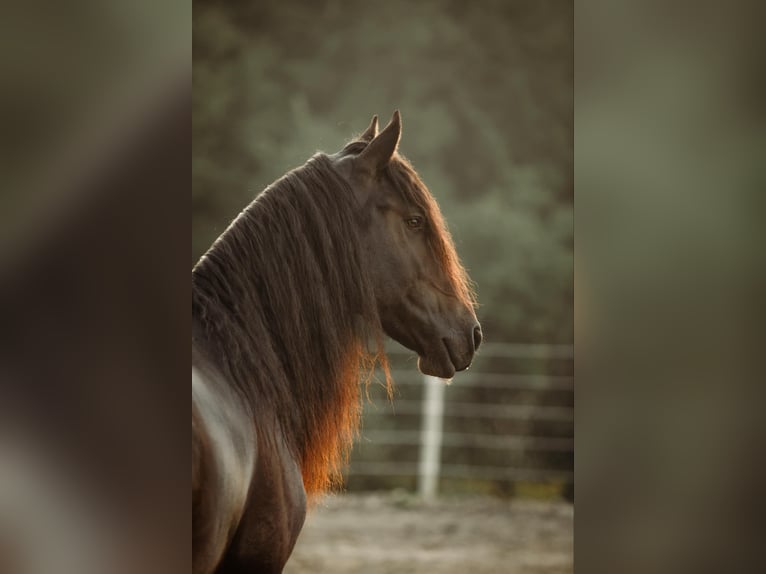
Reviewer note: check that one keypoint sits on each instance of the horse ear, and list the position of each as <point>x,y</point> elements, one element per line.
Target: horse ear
<point>371,131</point>
<point>379,151</point>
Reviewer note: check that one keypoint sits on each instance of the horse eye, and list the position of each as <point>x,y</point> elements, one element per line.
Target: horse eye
<point>414,222</point>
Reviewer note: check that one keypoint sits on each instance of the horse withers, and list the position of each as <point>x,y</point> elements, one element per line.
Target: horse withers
<point>339,252</point>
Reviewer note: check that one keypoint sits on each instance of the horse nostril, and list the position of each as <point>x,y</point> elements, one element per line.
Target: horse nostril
<point>476,337</point>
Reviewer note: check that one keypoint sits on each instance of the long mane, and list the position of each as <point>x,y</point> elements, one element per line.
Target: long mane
<point>287,312</point>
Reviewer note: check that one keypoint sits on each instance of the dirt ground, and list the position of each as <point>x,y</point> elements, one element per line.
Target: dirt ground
<point>396,533</point>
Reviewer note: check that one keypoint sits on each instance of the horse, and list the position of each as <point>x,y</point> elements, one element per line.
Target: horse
<point>290,309</point>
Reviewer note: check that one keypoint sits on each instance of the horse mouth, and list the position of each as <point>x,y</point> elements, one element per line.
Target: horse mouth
<point>455,361</point>
<point>441,362</point>
<point>441,369</point>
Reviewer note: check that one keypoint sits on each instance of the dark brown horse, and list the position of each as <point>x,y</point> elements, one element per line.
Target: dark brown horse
<point>285,306</point>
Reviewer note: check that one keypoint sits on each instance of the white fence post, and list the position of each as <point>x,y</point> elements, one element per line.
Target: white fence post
<point>431,437</point>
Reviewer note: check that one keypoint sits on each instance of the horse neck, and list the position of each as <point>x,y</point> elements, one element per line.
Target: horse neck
<point>284,296</point>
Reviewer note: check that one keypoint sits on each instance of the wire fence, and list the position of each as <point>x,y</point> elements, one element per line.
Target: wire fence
<point>509,419</point>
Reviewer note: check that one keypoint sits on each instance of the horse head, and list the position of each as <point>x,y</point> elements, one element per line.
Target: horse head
<point>423,294</point>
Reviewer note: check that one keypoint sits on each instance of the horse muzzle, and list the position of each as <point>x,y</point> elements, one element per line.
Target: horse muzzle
<point>452,353</point>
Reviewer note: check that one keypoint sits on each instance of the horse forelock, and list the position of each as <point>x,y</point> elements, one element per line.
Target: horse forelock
<point>414,191</point>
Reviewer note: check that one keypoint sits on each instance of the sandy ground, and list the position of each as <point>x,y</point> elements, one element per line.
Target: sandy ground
<point>396,533</point>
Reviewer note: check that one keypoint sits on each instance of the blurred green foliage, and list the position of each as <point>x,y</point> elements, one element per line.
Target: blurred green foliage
<point>485,91</point>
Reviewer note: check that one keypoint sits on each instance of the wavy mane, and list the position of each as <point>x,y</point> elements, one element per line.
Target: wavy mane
<point>287,311</point>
